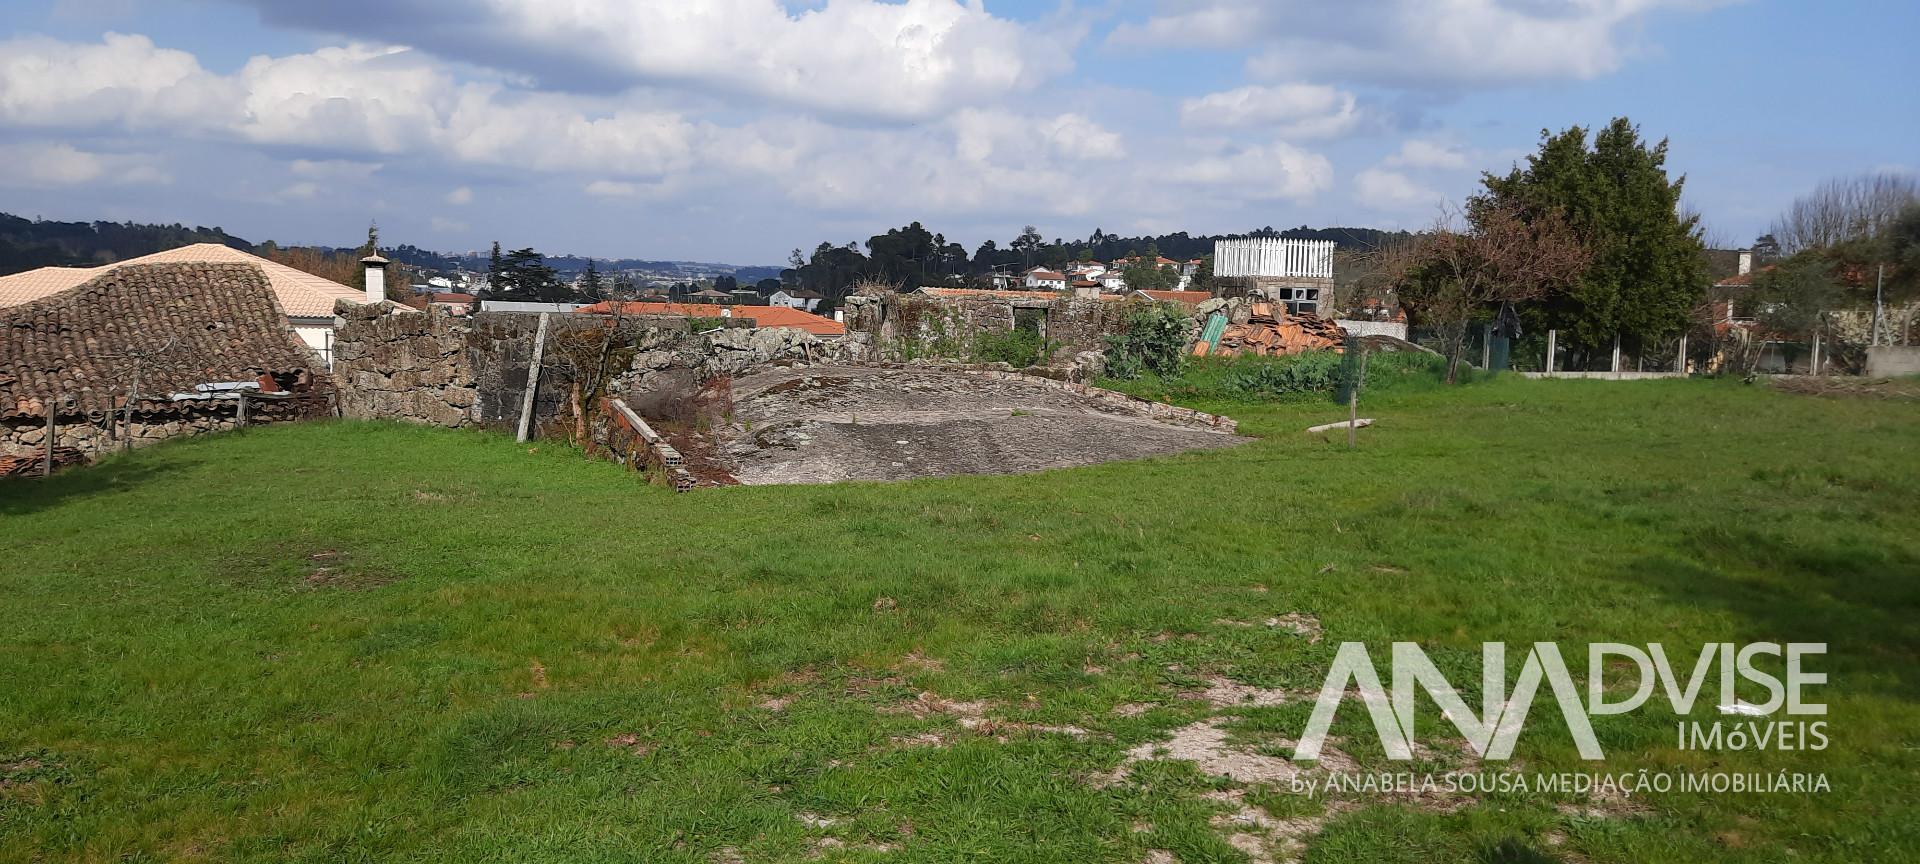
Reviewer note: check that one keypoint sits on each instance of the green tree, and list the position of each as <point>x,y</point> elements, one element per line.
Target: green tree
<point>495,270</point>
<point>592,284</point>
<point>1142,274</point>
<point>524,276</point>
<point>1027,244</point>
<point>371,247</point>
<point>1647,272</point>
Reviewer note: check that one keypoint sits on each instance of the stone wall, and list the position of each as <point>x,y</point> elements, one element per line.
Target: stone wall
<point>432,367</point>
<point>95,436</point>
<point>906,327</point>
<point>395,363</point>
<point>1887,361</point>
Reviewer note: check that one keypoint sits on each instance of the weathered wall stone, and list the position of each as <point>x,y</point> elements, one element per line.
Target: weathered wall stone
<point>905,327</point>
<point>396,363</point>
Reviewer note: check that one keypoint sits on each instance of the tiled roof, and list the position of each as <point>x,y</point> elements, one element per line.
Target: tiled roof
<point>1045,275</point>
<point>1193,298</point>
<point>978,294</point>
<point>451,297</point>
<point>763,316</point>
<point>301,294</point>
<point>200,323</point>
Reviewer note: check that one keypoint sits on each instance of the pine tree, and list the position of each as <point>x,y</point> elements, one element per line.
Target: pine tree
<point>495,272</point>
<point>1647,273</point>
<point>371,247</point>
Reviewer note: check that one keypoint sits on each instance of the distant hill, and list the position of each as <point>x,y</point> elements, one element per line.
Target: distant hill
<point>569,265</point>
<point>26,244</point>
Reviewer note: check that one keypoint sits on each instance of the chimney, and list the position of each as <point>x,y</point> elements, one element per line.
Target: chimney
<point>1746,262</point>
<point>840,315</point>
<point>376,277</point>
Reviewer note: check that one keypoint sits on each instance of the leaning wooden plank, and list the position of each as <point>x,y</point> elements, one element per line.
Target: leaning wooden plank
<point>1361,423</point>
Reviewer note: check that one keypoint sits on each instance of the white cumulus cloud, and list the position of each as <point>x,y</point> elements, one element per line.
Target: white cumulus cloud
<point>52,165</point>
<point>894,60</point>
<point>1295,110</point>
<point>1278,171</point>
<point>1417,43</point>
<point>1393,192</point>
<point>1426,153</point>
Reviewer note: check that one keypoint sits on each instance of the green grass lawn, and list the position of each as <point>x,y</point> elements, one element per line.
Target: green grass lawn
<point>342,641</point>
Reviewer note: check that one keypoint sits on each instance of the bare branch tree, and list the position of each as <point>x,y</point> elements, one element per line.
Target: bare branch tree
<point>1844,209</point>
<point>1449,275</point>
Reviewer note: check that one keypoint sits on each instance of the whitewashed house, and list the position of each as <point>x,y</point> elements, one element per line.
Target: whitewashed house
<point>1039,279</point>
<point>796,299</point>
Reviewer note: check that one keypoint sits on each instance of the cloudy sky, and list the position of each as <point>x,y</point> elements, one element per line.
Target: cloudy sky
<point>735,130</point>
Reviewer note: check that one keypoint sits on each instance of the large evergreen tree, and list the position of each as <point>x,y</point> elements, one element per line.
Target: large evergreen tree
<point>1647,272</point>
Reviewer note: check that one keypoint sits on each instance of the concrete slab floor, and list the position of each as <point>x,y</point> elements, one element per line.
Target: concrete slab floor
<point>824,424</point>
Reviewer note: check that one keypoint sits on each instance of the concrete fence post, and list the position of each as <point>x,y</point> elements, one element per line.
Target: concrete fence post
<point>1486,348</point>
<point>533,379</point>
<point>1680,362</point>
<point>1553,337</point>
<point>1616,353</point>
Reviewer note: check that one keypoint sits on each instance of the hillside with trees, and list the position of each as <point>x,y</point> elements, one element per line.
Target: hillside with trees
<point>26,244</point>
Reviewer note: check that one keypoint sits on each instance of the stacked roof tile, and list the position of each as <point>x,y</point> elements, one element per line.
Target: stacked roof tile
<point>182,325</point>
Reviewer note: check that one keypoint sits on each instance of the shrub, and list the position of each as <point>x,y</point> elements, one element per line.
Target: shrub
<point>1017,347</point>
<point>1154,341</point>
<point>1315,372</point>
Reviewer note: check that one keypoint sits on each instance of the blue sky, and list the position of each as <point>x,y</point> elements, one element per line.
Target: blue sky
<point>735,130</point>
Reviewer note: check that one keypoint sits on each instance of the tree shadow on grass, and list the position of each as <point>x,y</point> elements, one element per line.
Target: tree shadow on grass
<point>1862,600</point>
<point>20,496</point>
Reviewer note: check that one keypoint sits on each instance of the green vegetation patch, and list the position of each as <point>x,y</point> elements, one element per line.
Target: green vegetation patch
<point>542,658</point>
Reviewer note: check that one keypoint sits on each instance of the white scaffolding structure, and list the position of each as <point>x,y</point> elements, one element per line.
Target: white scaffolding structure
<point>1273,256</point>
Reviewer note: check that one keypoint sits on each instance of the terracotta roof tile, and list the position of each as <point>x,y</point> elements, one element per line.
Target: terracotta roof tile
<point>215,322</point>
<point>763,316</point>
<point>979,294</point>
<point>1193,298</point>
<point>301,294</point>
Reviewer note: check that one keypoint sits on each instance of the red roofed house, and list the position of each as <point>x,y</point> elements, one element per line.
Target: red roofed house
<point>762,316</point>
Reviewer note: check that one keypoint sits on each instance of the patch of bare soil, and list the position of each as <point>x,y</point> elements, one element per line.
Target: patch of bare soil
<point>1205,745</point>
<point>631,743</point>
<point>331,568</point>
<point>699,454</point>
<point>1297,623</point>
<point>1901,389</point>
<point>827,424</point>
<point>970,716</point>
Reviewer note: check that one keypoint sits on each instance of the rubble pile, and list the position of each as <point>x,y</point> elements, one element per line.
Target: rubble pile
<point>1269,332</point>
